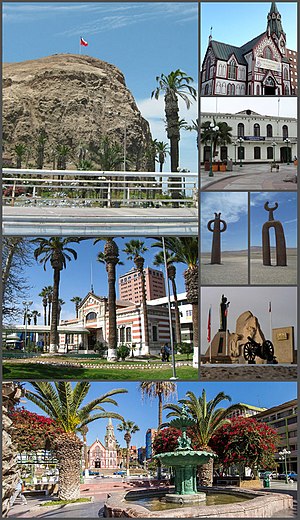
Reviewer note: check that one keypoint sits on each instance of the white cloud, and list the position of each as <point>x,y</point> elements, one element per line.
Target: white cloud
<point>232,206</point>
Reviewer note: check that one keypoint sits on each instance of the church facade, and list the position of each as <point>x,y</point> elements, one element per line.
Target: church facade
<point>260,67</point>
<point>104,456</point>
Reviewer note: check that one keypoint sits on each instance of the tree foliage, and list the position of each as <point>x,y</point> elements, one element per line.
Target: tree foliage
<point>245,441</point>
<point>33,432</point>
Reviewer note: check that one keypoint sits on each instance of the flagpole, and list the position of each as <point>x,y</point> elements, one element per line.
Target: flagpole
<point>270,312</point>
<point>209,332</point>
<point>226,333</point>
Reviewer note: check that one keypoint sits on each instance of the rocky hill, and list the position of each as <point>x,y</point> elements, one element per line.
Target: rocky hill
<point>75,101</point>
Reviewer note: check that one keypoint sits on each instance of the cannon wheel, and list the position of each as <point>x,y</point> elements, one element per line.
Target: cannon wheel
<point>268,349</point>
<point>248,352</point>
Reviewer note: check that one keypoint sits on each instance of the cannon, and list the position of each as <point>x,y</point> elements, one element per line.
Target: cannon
<point>264,351</point>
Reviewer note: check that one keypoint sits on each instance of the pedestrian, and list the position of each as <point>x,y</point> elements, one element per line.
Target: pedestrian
<point>162,351</point>
<point>229,165</point>
<point>18,493</point>
<point>167,351</point>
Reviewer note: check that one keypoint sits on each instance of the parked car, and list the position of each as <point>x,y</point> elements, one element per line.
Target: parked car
<point>121,472</point>
<point>269,474</point>
<point>291,475</point>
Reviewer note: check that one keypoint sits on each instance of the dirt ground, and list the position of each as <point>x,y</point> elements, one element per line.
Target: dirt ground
<point>232,271</point>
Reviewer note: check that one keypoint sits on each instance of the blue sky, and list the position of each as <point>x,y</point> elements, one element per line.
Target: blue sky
<point>234,210</point>
<point>237,23</point>
<point>76,278</point>
<point>286,213</point>
<point>144,412</point>
<point>143,39</point>
<point>254,299</point>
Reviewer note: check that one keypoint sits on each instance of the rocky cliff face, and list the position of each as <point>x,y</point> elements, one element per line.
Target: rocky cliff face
<point>77,100</point>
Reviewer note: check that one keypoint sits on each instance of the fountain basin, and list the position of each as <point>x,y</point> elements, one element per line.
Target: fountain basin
<point>258,504</point>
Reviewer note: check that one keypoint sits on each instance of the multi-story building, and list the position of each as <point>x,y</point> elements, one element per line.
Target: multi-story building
<point>250,411</point>
<point>185,311</point>
<point>293,59</point>
<point>262,138</point>
<point>283,418</point>
<point>130,285</point>
<point>150,435</point>
<point>259,67</point>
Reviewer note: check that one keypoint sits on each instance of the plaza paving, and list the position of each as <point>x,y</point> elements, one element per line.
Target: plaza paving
<point>250,177</point>
<point>95,508</point>
<point>220,372</point>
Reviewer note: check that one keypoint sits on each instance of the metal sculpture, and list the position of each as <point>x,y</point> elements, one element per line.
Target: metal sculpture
<point>216,241</point>
<point>264,351</point>
<point>223,313</point>
<point>281,259</point>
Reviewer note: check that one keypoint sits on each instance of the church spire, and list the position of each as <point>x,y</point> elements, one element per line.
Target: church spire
<point>274,26</point>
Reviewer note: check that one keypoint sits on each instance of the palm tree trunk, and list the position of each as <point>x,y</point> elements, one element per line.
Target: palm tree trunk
<point>177,314</point>
<point>192,295</point>
<point>6,271</point>
<point>160,407</point>
<point>112,314</point>
<point>205,473</point>
<point>68,452</point>
<point>45,323</point>
<point>127,455</point>
<point>195,318</point>
<point>145,311</point>
<point>54,314</point>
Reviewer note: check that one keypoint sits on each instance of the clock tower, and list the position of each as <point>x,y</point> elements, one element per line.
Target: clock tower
<point>110,440</point>
<point>274,28</point>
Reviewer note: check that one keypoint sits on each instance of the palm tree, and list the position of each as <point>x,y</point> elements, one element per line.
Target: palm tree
<point>161,151</point>
<point>109,156</point>
<point>41,140</point>
<point>129,427</point>
<point>44,295</point>
<point>84,430</point>
<point>55,251</point>
<point>77,300</point>
<point>186,252</point>
<point>35,315</point>
<point>110,257</point>
<point>62,154</point>
<point>220,137</point>
<point>63,403</point>
<point>208,419</point>
<point>134,250</point>
<point>162,390</point>
<point>20,150</point>
<point>194,127</point>
<point>175,85</point>
<point>171,272</point>
<point>60,304</point>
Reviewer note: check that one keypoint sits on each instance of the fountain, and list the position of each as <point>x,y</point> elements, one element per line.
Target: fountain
<point>187,501</point>
<point>184,460</point>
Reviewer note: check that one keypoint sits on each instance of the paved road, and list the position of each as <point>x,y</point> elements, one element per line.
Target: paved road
<point>50,221</point>
<point>250,177</point>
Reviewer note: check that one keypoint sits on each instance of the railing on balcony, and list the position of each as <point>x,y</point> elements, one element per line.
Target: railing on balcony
<point>71,188</point>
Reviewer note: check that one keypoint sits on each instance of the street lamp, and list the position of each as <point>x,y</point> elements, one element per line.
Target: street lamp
<point>26,308</point>
<point>287,141</point>
<point>235,145</point>
<point>240,141</point>
<point>213,129</point>
<point>274,146</point>
<point>283,456</point>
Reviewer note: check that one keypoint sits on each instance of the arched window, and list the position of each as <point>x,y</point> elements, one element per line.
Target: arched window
<point>220,69</point>
<point>154,333</point>
<point>91,316</point>
<point>285,132</point>
<point>207,71</point>
<point>256,130</point>
<point>238,90</point>
<point>256,152</point>
<point>232,90</point>
<point>206,89</point>
<point>232,70</point>
<point>285,73</point>
<point>128,334</point>
<point>122,334</point>
<point>249,90</point>
<point>286,90</point>
<point>241,130</point>
<point>242,90</point>
<point>269,131</point>
<point>223,88</point>
<point>218,88</point>
<point>257,90</point>
<point>270,82</point>
<point>268,54</point>
<point>270,152</point>
<point>229,89</point>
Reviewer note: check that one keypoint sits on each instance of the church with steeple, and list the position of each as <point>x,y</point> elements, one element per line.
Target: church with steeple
<point>260,67</point>
<point>105,456</point>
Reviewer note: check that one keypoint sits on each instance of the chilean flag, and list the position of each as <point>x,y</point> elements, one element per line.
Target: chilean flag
<point>83,42</point>
<point>209,326</point>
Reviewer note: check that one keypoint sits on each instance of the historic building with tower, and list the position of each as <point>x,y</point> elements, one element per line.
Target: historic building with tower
<point>260,67</point>
<point>104,456</point>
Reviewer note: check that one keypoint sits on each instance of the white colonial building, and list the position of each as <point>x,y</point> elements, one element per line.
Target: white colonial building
<point>259,67</point>
<point>256,138</point>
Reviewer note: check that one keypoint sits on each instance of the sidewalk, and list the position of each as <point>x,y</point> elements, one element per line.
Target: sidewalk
<point>250,177</point>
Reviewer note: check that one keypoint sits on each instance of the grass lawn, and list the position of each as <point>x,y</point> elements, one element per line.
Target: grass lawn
<point>31,371</point>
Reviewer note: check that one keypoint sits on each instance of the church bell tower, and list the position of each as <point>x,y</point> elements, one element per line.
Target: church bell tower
<point>274,28</point>
<point>110,440</point>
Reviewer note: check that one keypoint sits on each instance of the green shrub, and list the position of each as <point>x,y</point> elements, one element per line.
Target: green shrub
<point>185,348</point>
<point>123,352</point>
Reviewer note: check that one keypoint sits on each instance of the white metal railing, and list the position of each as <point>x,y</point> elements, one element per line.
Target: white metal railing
<point>98,188</point>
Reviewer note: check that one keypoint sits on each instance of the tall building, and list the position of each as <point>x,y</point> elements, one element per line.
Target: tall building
<point>150,435</point>
<point>250,411</point>
<point>130,285</point>
<point>259,67</point>
<point>283,418</point>
<point>293,59</point>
